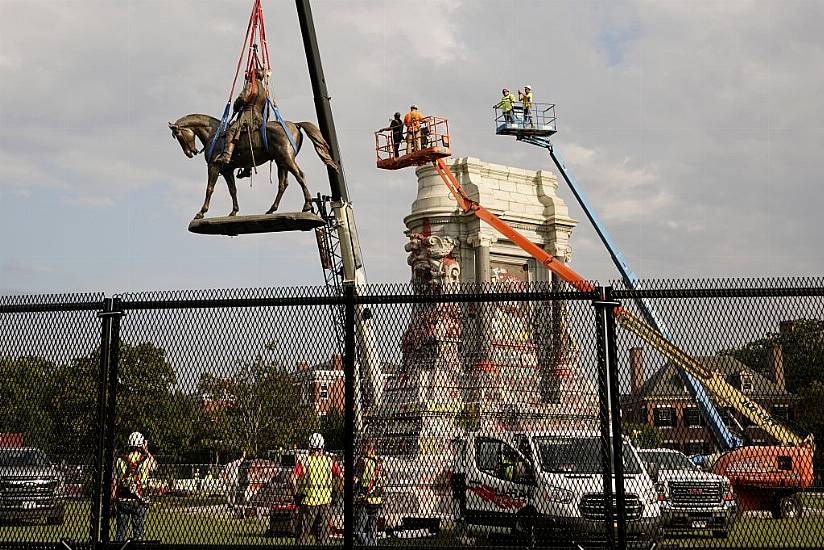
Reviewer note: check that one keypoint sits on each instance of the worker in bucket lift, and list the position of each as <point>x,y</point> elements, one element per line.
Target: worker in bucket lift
<point>396,126</point>
<point>413,121</point>
<point>525,98</point>
<point>507,106</point>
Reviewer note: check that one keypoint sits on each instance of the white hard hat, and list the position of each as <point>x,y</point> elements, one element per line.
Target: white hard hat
<point>413,106</point>
<point>316,441</point>
<point>527,87</point>
<point>136,439</point>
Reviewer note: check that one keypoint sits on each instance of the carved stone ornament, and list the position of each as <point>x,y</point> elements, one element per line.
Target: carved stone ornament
<point>431,259</point>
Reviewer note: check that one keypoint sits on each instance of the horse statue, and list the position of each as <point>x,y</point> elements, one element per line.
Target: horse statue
<point>204,127</point>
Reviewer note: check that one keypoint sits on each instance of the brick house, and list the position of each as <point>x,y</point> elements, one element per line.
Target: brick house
<point>321,385</point>
<point>663,401</point>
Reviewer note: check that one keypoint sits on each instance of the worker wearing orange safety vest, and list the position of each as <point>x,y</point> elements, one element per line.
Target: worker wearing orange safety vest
<point>413,120</point>
<point>315,476</point>
<point>369,487</point>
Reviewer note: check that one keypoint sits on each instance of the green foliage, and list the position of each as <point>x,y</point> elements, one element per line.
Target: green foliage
<point>258,408</point>
<point>333,430</point>
<point>643,436</point>
<point>25,390</point>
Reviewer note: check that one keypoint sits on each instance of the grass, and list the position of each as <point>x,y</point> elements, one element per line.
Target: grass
<point>207,522</point>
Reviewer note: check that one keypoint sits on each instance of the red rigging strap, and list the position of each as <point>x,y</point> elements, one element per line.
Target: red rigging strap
<point>253,29</point>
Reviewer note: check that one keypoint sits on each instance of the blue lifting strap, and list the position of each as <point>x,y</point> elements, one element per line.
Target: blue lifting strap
<point>270,106</point>
<point>221,129</point>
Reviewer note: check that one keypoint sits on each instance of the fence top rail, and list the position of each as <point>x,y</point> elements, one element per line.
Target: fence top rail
<point>32,303</point>
<point>718,293</point>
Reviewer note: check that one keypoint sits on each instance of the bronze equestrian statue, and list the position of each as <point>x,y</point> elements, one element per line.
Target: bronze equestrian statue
<point>242,145</point>
<point>203,127</point>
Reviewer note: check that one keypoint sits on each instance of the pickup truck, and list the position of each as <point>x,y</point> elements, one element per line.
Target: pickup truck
<point>547,486</point>
<point>31,487</point>
<point>690,499</point>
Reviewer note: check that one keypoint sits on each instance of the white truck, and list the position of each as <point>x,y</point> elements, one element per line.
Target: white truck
<point>547,486</point>
<point>690,499</point>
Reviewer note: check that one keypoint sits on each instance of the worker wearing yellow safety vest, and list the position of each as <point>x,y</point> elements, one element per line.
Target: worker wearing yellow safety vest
<point>526,99</point>
<point>315,477</point>
<point>369,491</point>
<point>507,106</point>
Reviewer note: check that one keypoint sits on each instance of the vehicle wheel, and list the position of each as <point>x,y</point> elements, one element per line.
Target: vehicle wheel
<point>525,531</point>
<point>790,507</point>
<point>720,534</point>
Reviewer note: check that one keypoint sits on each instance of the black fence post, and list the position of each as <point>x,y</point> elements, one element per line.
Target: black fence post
<point>113,317</point>
<point>99,452</point>
<point>615,418</point>
<point>602,338</point>
<point>349,416</point>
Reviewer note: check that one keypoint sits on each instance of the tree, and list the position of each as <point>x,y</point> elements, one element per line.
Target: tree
<point>333,429</point>
<point>25,400</point>
<point>258,408</point>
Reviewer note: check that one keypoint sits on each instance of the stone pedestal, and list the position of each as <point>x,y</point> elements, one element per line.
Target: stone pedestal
<point>487,365</point>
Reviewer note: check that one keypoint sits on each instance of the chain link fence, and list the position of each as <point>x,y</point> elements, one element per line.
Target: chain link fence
<point>505,415</point>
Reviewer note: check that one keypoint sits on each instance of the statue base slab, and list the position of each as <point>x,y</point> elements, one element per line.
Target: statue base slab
<point>259,223</point>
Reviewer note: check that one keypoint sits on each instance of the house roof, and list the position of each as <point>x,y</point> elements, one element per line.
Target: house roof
<point>665,382</point>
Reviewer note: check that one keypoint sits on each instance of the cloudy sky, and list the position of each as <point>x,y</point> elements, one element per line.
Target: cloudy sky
<point>695,127</point>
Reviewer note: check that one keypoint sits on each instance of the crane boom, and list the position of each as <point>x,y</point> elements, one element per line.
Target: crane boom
<point>723,391</point>
<point>722,434</point>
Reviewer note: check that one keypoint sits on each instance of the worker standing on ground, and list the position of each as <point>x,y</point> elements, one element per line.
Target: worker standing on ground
<point>250,104</point>
<point>369,494</point>
<point>396,125</point>
<point>507,106</point>
<point>526,99</point>
<point>413,120</point>
<point>314,479</point>
<point>129,487</point>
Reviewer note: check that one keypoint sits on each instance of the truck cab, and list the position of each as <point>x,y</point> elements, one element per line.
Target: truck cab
<point>547,485</point>
<point>691,500</point>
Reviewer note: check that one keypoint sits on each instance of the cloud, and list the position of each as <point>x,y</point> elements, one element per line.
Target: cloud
<point>693,128</point>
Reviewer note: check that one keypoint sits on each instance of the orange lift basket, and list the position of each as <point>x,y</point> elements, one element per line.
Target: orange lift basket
<point>423,145</point>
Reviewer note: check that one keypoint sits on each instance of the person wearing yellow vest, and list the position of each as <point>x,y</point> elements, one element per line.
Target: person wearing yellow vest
<point>526,99</point>
<point>507,106</point>
<point>369,494</point>
<point>413,120</point>
<point>129,487</point>
<point>315,476</point>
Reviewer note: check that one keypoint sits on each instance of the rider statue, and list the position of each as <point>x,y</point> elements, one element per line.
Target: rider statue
<point>250,104</point>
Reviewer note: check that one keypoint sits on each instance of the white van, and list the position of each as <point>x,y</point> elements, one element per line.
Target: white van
<point>548,485</point>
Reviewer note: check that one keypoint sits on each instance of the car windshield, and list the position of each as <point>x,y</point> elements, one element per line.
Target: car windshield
<point>667,461</point>
<point>579,455</point>
<point>22,457</point>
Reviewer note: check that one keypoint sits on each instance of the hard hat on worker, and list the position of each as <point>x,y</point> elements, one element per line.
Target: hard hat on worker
<point>527,87</point>
<point>136,439</point>
<point>413,107</point>
<point>504,91</point>
<point>316,441</point>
